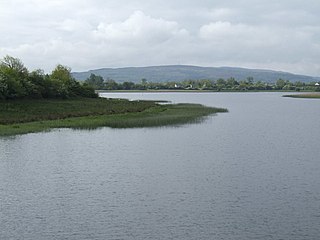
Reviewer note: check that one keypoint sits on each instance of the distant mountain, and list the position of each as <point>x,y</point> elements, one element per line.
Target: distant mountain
<point>184,72</point>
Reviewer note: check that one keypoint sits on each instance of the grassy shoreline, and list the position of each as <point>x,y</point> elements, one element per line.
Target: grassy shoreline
<point>21,117</point>
<point>304,95</point>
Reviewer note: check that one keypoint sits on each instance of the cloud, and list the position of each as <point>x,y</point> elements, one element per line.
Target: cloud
<point>139,29</point>
<point>86,34</point>
<point>221,13</point>
<point>222,30</point>
<point>261,43</point>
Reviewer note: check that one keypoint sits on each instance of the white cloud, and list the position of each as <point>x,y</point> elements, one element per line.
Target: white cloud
<point>139,28</point>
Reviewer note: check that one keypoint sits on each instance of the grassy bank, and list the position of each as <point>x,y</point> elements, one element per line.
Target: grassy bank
<point>19,117</point>
<point>304,95</point>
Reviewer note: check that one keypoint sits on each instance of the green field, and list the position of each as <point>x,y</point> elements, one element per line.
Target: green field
<point>26,116</point>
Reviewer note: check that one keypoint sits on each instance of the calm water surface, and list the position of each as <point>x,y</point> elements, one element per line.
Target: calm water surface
<point>252,173</point>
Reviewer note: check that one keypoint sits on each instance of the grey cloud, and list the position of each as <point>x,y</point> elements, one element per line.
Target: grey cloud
<point>281,35</point>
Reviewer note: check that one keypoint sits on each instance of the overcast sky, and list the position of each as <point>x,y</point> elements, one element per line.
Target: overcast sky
<point>270,34</point>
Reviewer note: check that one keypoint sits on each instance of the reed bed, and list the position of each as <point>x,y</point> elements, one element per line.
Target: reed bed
<point>29,116</point>
<point>304,95</point>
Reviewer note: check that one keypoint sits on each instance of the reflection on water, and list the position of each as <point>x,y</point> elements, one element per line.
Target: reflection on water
<point>252,173</point>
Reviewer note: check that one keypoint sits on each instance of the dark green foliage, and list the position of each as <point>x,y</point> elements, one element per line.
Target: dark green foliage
<point>17,83</point>
<point>128,86</point>
<point>95,81</point>
<point>110,85</point>
<point>13,78</point>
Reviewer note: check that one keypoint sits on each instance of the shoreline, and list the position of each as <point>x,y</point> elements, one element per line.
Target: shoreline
<point>193,91</point>
<point>304,95</point>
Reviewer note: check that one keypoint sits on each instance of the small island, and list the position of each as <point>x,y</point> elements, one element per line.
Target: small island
<point>34,102</point>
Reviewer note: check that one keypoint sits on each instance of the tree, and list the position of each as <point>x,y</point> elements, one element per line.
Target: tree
<point>221,82</point>
<point>13,77</point>
<point>62,73</point>
<point>250,80</point>
<point>95,81</point>
<point>17,82</point>
<point>3,87</point>
<point>128,85</point>
<point>13,65</point>
<point>63,85</point>
<point>280,83</point>
<point>111,85</point>
<point>231,82</point>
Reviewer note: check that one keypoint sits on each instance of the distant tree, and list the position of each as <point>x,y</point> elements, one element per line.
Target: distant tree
<point>231,82</point>
<point>128,85</point>
<point>280,83</point>
<point>144,81</point>
<point>95,81</point>
<point>111,85</point>
<point>205,84</point>
<point>221,82</point>
<point>250,80</point>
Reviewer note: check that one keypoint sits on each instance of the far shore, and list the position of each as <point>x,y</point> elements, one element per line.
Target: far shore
<point>192,91</point>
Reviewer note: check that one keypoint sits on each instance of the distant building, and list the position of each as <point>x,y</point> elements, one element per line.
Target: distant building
<point>317,84</point>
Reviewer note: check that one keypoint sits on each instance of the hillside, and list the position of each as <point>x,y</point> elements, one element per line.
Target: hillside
<point>184,72</point>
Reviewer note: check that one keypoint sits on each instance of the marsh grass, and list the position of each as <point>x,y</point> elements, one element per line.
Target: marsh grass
<point>304,95</point>
<point>124,114</point>
<point>21,111</point>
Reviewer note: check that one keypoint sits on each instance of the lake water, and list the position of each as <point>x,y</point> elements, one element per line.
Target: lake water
<point>252,173</point>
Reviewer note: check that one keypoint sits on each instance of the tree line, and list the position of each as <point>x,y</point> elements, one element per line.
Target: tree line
<point>16,82</point>
<point>230,84</point>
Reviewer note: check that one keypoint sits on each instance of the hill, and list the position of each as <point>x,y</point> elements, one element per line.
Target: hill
<point>184,72</point>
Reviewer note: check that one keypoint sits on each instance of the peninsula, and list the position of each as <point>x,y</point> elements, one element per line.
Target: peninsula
<point>34,101</point>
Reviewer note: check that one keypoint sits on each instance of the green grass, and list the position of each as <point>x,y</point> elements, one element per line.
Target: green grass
<point>304,95</point>
<point>21,111</point>
<point>20,117</point>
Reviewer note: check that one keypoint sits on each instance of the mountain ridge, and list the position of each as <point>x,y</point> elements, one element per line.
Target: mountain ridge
<point>178,73</point>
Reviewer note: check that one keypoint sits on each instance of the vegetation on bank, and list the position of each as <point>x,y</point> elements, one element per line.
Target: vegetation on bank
<point>16,82</point>
<point>21,116</point>
<point>230,84</point>
<point>304,95</point>
<point>28,110</point>
<point>34,101</point>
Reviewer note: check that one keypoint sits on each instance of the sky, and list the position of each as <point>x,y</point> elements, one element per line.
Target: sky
<point>280,35</point>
